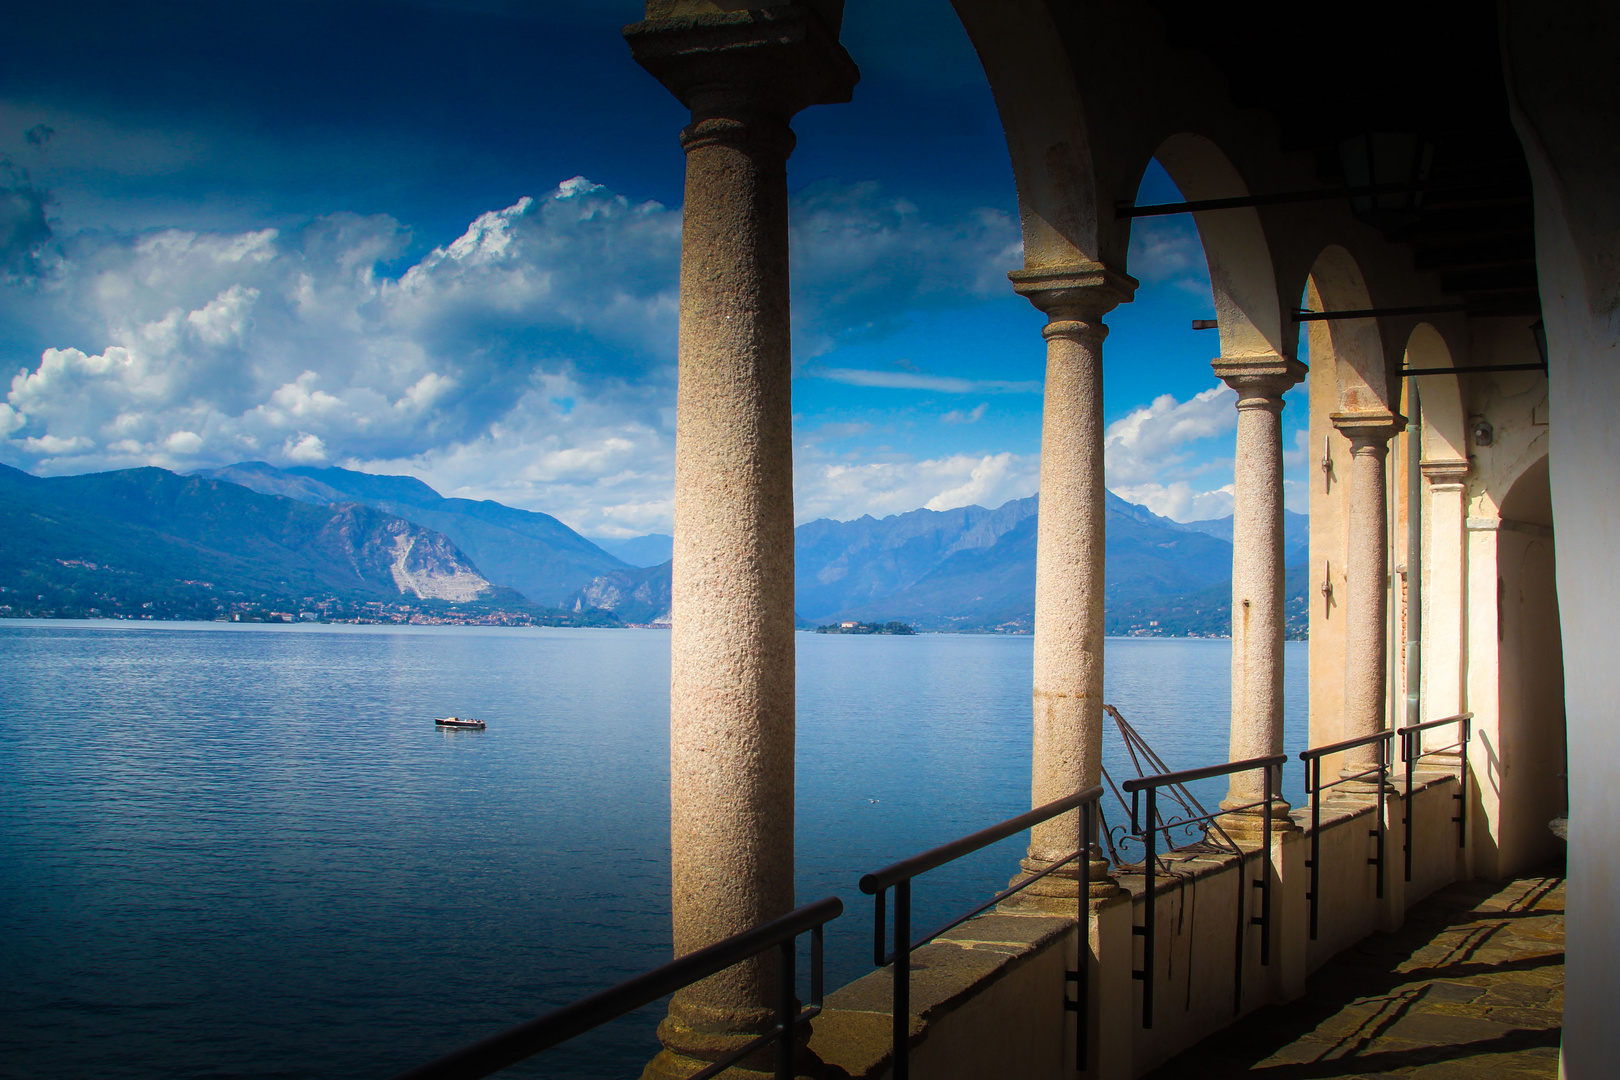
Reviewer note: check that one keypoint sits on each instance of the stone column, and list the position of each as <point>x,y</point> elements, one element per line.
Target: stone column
<point>1257,579</point>
<point>1444,591</point>
<point>1366,579</point>
<point>743,75</point>
<point>1069,552</point>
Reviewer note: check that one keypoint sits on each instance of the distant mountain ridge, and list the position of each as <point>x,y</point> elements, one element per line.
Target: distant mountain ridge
<point>533,553</point>
<point>305,531</point>
<point>153,529</point>
<point>973,568</point>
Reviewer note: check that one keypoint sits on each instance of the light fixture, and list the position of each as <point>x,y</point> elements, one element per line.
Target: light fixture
<point>1484,434</point>
<point>1398,160</point>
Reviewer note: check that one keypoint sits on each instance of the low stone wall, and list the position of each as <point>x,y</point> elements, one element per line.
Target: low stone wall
<point>987,998</point>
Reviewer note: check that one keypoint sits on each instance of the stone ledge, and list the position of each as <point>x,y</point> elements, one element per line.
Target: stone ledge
<point>853,1035</point>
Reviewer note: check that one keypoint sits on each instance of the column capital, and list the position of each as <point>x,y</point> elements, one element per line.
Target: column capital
<point>1082,291</point>
<point>1259,380</point>
<point>1445,472</point>
<point>770,60</point>
<point>1371,429</point>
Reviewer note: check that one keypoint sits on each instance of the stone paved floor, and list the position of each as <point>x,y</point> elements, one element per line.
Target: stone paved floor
<point>1471,987</point>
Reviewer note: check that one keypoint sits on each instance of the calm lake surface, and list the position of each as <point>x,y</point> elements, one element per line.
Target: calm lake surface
<point>231,851</point>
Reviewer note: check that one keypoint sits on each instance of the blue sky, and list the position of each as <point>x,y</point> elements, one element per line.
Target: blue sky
<point>442,238</point>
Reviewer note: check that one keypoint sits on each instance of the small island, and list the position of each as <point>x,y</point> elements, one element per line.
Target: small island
<point>865,628</point>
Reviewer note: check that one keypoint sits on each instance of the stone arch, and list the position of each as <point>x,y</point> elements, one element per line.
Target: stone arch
<point>1444,419</point>
<point>1047,135</point>
<point>1240,268</point>
<point>1527,762</point>
<point>1351,350</point>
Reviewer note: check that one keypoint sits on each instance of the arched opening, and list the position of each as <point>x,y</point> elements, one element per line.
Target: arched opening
<point>1241,279</point>
<point>1527,763</point>
<point>1348,374</point>
<point>1442,455</point>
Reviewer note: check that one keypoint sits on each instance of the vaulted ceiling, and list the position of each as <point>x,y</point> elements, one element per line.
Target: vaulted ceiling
<point>1331,72</point>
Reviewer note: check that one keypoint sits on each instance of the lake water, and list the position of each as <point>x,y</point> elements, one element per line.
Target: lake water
<point>244,851</point>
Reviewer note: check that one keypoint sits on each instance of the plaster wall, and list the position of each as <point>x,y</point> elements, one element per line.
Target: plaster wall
<point>1564,95</point>
<point>1530,702</point>
<point>987,998</point>
<point>1347,909</point>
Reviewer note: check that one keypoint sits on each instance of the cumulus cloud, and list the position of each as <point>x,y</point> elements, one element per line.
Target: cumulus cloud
<point>23,228</point>
<point>1152,456</point>
<point>1140,445</point>
<point>865,260</point>
<point>1178,501</point>
<point>530,359</point>
<point>843,489</point>
<point>970,416</point>
<point>1167,249</point>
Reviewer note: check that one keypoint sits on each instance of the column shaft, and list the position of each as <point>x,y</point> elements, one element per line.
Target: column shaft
<point>1257,577</point>
<point>1445,591</point>
<point>1366,579</point>
<point>743,74</point>
<point>731,646</point>
<point>1069,559</point>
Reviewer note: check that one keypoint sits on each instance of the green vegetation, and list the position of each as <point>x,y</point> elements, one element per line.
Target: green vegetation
<point>865,628</point>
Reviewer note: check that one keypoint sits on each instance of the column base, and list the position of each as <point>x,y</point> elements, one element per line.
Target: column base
<point>689,1049</point>
<point>1249,825</point>
<point>1055,893</point>
<point>1367,785</point>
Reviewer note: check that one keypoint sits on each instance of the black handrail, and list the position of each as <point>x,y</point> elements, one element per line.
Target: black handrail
<point>1464,722</point>
<point>513,1045</point>
<point>898,876</point>
<point>1314,788</point>
<point>1151,785</point>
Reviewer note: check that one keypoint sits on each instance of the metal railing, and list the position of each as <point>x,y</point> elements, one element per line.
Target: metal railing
<point>898,876</point>
<point>1149,833</point>
<point>501,1051</point>
<point>1411,754</point>
<point>1314,788</point>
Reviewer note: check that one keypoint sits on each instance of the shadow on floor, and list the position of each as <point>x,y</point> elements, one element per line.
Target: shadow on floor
<point>1471,986</point>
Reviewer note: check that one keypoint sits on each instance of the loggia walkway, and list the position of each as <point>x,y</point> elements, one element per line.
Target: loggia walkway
<point>1470,987</point>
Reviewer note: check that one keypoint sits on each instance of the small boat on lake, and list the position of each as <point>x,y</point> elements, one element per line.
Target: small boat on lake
<point>460,722</point>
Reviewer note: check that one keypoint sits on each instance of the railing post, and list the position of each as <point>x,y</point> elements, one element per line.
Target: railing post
<point>1467,724</point>
<point>1082,988</point>
<point>785,1011</point>
<point>1265,878</point>
<point>1149,840</point>
<point>1315,765</point>
<point>1409,759</point>
<point>1378,808</point>
<point>902,979</point>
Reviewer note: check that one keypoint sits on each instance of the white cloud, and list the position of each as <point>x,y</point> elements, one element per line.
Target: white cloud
<point>1301,453</point>
<point>1168,249</point>
<point>1153,456</point>
<point>1178,501</point>
<point>1140,445</point>
<point>864,261</point>
<point>971,416</point>
<point>304,449</point>
<point>841,489</point>
<point>530,359</point>
<point>908,380</point>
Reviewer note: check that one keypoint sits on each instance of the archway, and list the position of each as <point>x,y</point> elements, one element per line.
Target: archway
<point>1349,374</point>
<point>1526,765</point>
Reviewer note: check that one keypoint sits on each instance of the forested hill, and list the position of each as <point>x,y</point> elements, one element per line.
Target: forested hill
<point>150,541</point>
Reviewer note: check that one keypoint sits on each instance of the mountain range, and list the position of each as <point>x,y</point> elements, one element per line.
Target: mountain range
<point>198,546</point>
<point>269,535</point>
